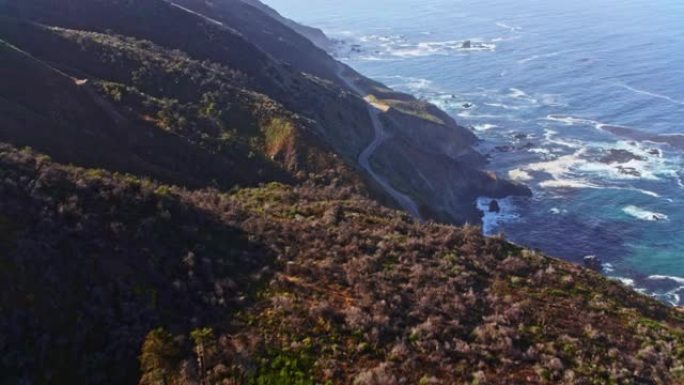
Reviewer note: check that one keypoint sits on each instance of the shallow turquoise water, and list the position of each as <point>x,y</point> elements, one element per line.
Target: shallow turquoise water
<point>547,80</point>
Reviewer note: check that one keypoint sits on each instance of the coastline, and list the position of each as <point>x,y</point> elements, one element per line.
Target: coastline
<point>622,159</point>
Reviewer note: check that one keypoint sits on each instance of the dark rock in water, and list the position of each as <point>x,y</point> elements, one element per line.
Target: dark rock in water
<point>620,156</point>
<point>494,206</point>
<point>629,171</point>
<point>467,44</point>
<point>467,105</point>
<point>654,152</point>
<point>594,263</point>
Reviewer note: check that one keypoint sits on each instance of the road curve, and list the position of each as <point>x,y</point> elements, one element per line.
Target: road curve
<point>380,136</point>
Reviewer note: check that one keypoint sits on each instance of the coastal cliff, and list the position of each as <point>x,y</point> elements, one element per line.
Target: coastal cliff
<point>194,192</point>
<point>330,104</point>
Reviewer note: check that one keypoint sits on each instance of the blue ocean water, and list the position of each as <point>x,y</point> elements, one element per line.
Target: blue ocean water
<point>576,99</point>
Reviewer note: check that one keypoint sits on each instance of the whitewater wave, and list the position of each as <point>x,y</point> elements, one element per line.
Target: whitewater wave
<point>674,295</point>
<point>608,267</point>
<point>671,293</point>
<point>557,211</point>
<point>569,184</point>
<point>492,221</point>
<point>541,151</point>
<point>518,93</point>
<point>519,175</point>
<point>629,282</point>
<point>383,47</point>
<point>678,280</point>
<point>484,127</point>
<point>575,163</point>
<point>644,215</point>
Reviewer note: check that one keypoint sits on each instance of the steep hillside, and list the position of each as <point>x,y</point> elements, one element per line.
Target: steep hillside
<point>282,285</point>
<point>258,53</point>
<point>75,123</point>
<point>156,96</point>
<point>190,194</point>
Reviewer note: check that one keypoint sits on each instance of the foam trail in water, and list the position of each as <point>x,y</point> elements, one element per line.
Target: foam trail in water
<point>651,94</point>
<point>536,57</point>
<point>569,183</point>
<point>678,280</point>
<point>508,27</point>
<point>571,120</point>
<point>645,192</point>
<point>503,106</point>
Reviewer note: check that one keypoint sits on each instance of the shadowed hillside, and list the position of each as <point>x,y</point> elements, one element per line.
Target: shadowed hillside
<point>282,285</point>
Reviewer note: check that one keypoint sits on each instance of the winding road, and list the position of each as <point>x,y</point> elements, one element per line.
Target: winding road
<point>380,136</point>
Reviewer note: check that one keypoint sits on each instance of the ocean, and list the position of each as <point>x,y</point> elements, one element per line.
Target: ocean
<point>583,101</point>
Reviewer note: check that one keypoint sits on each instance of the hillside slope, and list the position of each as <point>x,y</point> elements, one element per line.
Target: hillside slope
<point>282,285</point>
<point>191,193</point>
<point>333,126</point>
<point>75,123</point>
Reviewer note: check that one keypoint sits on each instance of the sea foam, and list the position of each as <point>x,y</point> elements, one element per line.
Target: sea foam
<point>537,57</point>
<point>484,127</point>
<point>643,214</point>
<point>519,175</point>
<point>491,221</point>
<point>678,280</point>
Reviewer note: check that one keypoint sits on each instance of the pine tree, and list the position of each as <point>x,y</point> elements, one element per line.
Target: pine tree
<point>159,359</point>
<point>204,346</point>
